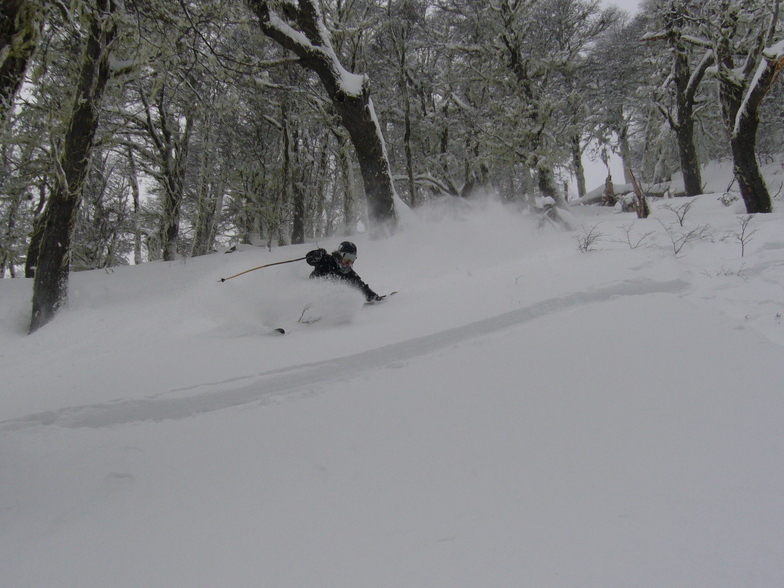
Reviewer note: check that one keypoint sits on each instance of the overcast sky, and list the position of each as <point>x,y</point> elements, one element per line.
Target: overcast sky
<point>629,6</point>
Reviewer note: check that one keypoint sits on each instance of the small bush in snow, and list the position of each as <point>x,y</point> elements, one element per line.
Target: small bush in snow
<point>679,238</point>
<point>633,242</point>
<point>680,211</point>
<point>588,239</point>
<point>744,235</point>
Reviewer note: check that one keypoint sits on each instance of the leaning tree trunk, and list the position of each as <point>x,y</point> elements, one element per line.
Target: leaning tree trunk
<point>18,37</point>
<point>412,189</point>
<point>690,163</point>
<point>9,257</point>
<point>626,150</point>
<point>50,286</point>
<point>349,93</point>
<point>741,115</point>
<point>349,183</point>
<point>744,162</point>
<point>174,191</point>
<point>171,145</point>
<point>741,92</point>
<point>577,165</point>
<point>295,195</point>
<point>686,84</point>
<point>133,181</point>
<point>212,179</point>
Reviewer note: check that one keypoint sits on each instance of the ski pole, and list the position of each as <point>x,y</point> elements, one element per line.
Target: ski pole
<point>260,267</point>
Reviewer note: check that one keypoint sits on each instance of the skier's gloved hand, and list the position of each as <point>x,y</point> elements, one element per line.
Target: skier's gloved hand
<point>377,298</point>
<point>315,256</point>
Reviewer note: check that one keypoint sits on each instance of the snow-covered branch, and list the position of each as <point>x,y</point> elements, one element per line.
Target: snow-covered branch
<point>765,75</point>
<point>300,29</point>
<point>708,59</point>
<point>699,41</point>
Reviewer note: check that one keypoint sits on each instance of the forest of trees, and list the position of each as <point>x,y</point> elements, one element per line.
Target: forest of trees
<point>140,130</point>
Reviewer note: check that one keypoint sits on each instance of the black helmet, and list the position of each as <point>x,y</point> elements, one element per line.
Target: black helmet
<point>345,256</point>
<point>347,247</point>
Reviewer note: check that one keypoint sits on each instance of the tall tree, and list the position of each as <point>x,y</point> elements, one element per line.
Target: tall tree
<point>170,134</point>
<point>524,56</point>
<point>50,287</point>
<point>397,49</point>
<point>177,79</point>
<point>612,83</point>
<point>299,27</point>
<point>749,57</point>
<point>675,18</point>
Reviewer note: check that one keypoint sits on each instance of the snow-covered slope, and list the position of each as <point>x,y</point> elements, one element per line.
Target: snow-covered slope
<point>521,413</point>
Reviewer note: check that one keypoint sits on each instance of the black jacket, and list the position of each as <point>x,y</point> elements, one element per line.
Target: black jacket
<point>328,266</point>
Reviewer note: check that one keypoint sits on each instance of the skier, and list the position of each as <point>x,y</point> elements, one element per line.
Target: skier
<point>338,266</point>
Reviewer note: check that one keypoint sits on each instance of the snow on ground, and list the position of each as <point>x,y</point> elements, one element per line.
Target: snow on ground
<point>521,413</point>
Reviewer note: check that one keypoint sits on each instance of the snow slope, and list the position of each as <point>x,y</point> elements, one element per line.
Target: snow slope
<point>521,413</point>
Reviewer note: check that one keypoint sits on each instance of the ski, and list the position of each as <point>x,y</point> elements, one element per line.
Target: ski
<point>305,320</point>
<point>383,299</point>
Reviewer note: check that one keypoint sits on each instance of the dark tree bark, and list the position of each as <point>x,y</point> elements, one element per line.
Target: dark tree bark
<point>8,259</point>
<point>18,37</point>
<point>50,287</point>
<point>741,93</point>
<point>292,173</point>
<point>347,175</point>
<point>685,83</point>
<point>577,165</point>
<point>207,202</point>
<point>742,125</point>
<point>35,238</point>
<point>412,191</point>
<point>624,147</point>
<point>171,147</point>
<point>174,192</point>
<point>212,185</point>
<point>133,181</point>
<point>298,207</point>
<point>306,37</point>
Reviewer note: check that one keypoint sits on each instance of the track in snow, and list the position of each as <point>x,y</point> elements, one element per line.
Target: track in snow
<point>291,379</point>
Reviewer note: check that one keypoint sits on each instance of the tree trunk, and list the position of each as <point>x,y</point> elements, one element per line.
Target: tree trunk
<point>412,195</point>
<point>174,190</point>
<point>626,150</point>
<point>690,163</point>
<point>133,181</point>
<point>359,119</point>
<point>744,163</point>
<point>50,287</point>
<point>577,164</point>
<point>297,193</point>
<point>685,92</point>
<point>740,108</point>
<point>171,144</point>
<point>403,84</point>
<point>548,186</point>
<point>18,38</point>
<point>317,220</point>
<point>34,246</point>
<point>347,173</point>
<point>9,253</point>
<point>686,84</point>
<point>205,201</point>
<point>349,93</point>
